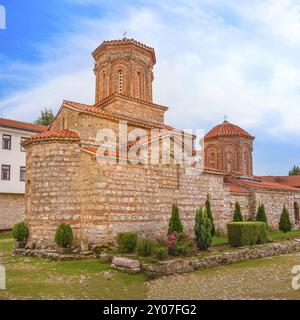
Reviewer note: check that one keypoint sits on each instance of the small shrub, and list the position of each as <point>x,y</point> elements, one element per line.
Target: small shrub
<point>145,247</point>
<point>261,214</point>
<point>64,235</point>
<point>20,231</point>
<point>202,230</point>
<point>285,224</point>
<point>127,241</point>
<point>161,253</point>
<point>237,216</point>
<point>183,248</point>
<point>175,221</point>
<point>210,215</point>
<point>171,242</point>
<point>247,233</point>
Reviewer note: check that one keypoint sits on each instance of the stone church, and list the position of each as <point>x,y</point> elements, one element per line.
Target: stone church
<point>101,168</point>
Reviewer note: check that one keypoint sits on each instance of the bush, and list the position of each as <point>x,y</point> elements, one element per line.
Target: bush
<point>261,214</point>
<point>183,248</point>
<point>210,215</point>
<point>237,216</point>
<point>161,253</point>
<point>175,221</point>
<point>285,224</point>
<point>145,247</point>
<point>21,231</point>
<point>247,233</point>
<point>64,235</point>
<point>202,230</point>
<point>127,241</point>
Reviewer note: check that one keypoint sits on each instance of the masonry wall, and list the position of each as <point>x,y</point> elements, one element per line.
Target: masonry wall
<point>244,201</point>
<point>274,202</point>
<point>99,200</point>
<point>12,210</point>
<point>53,189</point>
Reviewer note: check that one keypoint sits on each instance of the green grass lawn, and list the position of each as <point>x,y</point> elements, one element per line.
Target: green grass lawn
<point>5,235</point>
<point>34,278</point>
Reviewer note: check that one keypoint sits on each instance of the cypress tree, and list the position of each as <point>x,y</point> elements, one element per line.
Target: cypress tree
<point>202,230</point>
<point>261,214</point>
<point>175,221</point>
<point>210,215</point>
<point>237,216</point>
<point>285,224</point>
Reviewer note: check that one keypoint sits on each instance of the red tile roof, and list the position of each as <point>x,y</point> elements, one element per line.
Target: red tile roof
<point>124,41</point>
<point>236,189</point>
<point>259,185</point>
<point>227,129</point>
<point>55,135</point>
<point>22,125</point>
<point>292,181</point>
<point>108,115</point>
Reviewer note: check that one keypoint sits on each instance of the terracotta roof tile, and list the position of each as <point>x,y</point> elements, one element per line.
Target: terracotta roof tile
<point>291,181</point>
<point>259,185</point>
<point>227,129</point>
<point>22,125</point>
<point>235,189</point>
<point>55,135</point>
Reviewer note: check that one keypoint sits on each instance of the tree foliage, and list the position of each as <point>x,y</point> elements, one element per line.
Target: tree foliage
<point>45,118</point>
<point>285,224</point>
<point>175,223</point>
<point>210,215</point>
<point>261,214</point>
<point>237,216</point>
<point>202,230</point>
<point>295,171</point>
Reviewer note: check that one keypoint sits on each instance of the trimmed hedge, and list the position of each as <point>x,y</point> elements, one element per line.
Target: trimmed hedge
<point>247,233</point>
<point>127,241</point>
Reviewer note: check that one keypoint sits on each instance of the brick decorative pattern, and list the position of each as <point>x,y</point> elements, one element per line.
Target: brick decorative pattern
<point>12,209</point>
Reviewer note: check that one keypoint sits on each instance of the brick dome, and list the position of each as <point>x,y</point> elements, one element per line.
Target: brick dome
<point>227,129</point>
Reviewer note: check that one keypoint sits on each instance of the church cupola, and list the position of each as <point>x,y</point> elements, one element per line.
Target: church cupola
<point>229,148</point>
<point>124,67</point>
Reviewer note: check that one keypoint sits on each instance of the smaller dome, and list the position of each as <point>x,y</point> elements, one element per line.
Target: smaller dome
<point>227,129</point>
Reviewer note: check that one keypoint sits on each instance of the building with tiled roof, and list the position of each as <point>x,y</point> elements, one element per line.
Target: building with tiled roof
<point>116,166</point>
<point>12,169</point>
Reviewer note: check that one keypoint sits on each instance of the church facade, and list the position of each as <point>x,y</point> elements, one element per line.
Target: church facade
<point>116,165</point>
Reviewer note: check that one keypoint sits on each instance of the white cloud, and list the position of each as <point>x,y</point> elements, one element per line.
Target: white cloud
<point>214,58</point>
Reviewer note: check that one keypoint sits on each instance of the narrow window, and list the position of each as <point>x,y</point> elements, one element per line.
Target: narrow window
<point>139,92</point>
<point>22,140</point>
<point>296,212</point>
<point>6,142</point>
<point>103,85</point>
<point>5,172</point>
<point>22,173</point>
<point>120,81</point>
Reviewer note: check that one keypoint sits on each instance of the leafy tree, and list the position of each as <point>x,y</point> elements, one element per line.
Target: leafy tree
<point>202,230</point>
<point>237,216</point>
<point>210,215</point>
<point>261,214</point>
<point>295,171</point>
<point>45,118</point>
<point>175,223</point>
<point>285,224</point>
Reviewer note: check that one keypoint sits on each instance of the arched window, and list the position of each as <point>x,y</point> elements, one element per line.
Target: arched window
<point>103,85</point>
<point>229,163</point>
<point>139,86</point>
<point>63,124</point>
<point>120,81</point>
<point>212,160</point>
<point>296,212</point>
<point>246,169</point>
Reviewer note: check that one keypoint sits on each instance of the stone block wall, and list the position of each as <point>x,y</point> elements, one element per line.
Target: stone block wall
<point>12,210</point>
<point>274,202</point>
<point>244,201</point>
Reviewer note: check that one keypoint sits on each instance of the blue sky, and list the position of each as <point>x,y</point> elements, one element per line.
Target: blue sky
<point>214,58</point>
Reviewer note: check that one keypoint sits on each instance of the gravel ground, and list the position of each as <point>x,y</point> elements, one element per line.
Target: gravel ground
<point>269,278</point>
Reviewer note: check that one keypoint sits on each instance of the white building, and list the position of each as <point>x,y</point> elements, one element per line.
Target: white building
<point>12,169</point>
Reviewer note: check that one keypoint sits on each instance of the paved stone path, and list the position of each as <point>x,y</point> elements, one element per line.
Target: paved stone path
<point>260,279</point>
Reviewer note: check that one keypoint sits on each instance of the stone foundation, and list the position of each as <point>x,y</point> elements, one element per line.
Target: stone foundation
<point>12,210</point>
